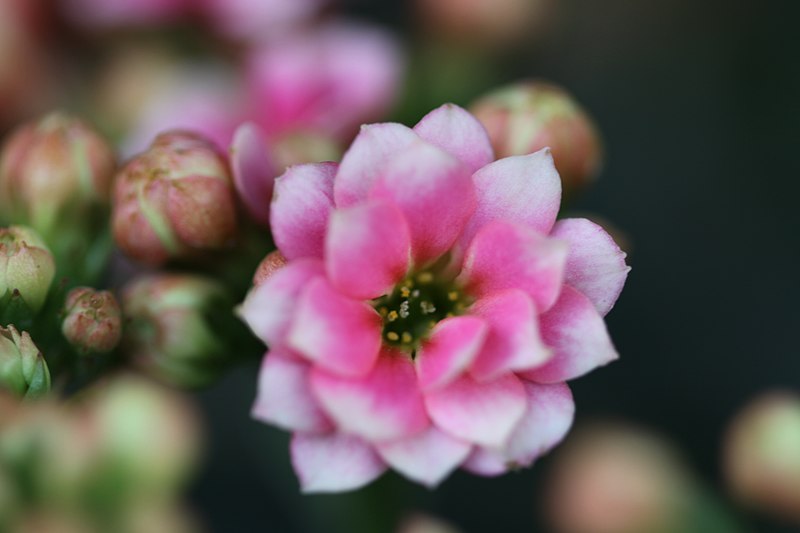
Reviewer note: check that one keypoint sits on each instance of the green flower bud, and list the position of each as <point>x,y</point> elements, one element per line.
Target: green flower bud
<point>26,267</point>
<point>23,370</point>
<point>93,321</point>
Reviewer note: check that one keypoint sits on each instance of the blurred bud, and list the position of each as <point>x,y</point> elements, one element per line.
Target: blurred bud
<point>273,262</point>
<point>526,117</point>
<point>762,454</point>
<point>53,521</point>
<point>26,267</point>
<point>159,517</point>
<point>23,370</point>
<point>297,148</point>
<point>171,327</point>
<point>53,172</point>
<point>92,321</point>
<point>174,200</point>
<point>420,523</point>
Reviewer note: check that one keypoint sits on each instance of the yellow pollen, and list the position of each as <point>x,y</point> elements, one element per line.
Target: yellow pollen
<point>406,337</point>
<point>392,336</point>
<point>425,277</point>
<point>452,296</point>
<point>383,311</point>
<point>405,292</point>
<point>392,316</point>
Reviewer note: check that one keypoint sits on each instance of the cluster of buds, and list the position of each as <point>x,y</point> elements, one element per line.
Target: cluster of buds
<point>23,370</point>
<point>92,321</point>
<point>27,269</point>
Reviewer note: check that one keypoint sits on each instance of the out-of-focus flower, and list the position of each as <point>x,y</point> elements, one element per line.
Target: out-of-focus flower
<point>257,18</point>
<point>106,14</point>
<point>762,454</point>
<point>53,173</point>
<point>174,201</point>
<point>420,523</point>
<point>431,308</point>
<point>169,330</point>
<point>92,321</point>
<point>23,370</point>
<point>325,81</point>
<point>526,117</point>
<point>272,263</point>
<point>26,267</point>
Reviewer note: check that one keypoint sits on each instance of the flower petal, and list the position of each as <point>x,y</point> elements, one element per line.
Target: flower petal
<point>481,413</point>
<point>333,462</point>
<point>300,209</point>
<point>337,333</point>
<point>454,344</point>
<point>427,457</point>
<point>434,191</point>
<point>456,131</point>
<point>385,404</point>
<point>269,307</point>
<point>510,256</point>
<point>364,161</point>
<point>524,189</point>
<point>595,264</point>
<point>513,342</point>
<point>367,249</point>
<point>578,336</point>
<point>253,171</point>
<point>284,395</point>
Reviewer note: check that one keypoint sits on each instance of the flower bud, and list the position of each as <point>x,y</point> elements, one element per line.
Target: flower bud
<point>93,321</point>
<point>174,201</point>
<point>526,117</point>
<point>26,267</point>
<point>23,370</point>
<point>273,262</point>
<point>762,454</point>
<point>170,327</point>
<point>54,172</point>
<point>420,523</point>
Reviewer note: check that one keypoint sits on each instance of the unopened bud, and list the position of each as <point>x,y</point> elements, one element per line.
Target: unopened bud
<point>762,454</point>
<point>26,267</point>
<point>54,172</point>
<point>93,321</point>
<point>170,327</point>
<point>174,200</point>
<point>526,117</point>
<point>273,262</point>
<point>420,523</point>
<point>23,370</point>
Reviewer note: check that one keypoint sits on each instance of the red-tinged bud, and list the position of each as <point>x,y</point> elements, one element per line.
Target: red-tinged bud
<point>174,201</point>
<point>23,370</point>
<point>26,268</point>
<point>273,262</point>
<point>526,117</point>
<point>92,321</point>
<point>762,454</point>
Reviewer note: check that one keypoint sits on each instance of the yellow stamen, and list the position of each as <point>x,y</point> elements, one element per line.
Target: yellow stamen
<point>392,316</point>
<point>425,277</point>
<point>452,296</point>
<point>406,337</point>
<point>392,336</point>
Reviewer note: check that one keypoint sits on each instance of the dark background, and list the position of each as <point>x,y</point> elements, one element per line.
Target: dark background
<point>698,103</point>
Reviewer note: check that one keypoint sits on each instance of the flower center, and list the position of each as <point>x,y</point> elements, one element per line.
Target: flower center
<point>415,306</point>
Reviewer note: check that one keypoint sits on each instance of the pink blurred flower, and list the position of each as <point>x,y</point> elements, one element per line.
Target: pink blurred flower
<point>431,308</point>
<point>328,80</point>
<point>115,13</point>
<point>254,18</point>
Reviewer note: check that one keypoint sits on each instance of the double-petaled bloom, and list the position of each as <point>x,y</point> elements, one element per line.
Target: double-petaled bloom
<point>431,307</point>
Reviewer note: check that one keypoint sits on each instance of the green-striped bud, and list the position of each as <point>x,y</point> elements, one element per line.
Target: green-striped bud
<point>26,268</point>
<point>23,370</point>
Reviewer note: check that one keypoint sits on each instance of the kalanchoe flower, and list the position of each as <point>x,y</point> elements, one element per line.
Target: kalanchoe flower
<point>92,321</point>
<point>169,329</point>
<point>175,200</point>
<point>26,267</point>
<point>431,308</point>
<point>256,18</point>
<point>528,116</point>
<point>23,370</point>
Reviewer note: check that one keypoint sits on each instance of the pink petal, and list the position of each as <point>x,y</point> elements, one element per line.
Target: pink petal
<point>524,189</point>
<point>454,344</point>
<point>300,209</point>
<point>513,342</point>
<point>578,336</point>
<point>284,395</point>
<point>456,131</point>
<point>482,413</point>
<point>434,191</point>
<point>427,457</point>
<point>385,404</point>
<point>269,307</point>
<point>595,264</point>
<point>547,420</point>
<point>334,462</point>
<point>253,171</point>
<point>367,249</point>
<point>510,256</point>
<point>364,162</point>
<point>337,333</point>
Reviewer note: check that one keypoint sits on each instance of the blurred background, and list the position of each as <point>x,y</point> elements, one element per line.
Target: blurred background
<point>698,106</point>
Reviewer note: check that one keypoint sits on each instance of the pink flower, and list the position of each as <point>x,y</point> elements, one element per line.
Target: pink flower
<point>253,18</point>
<point>431,308</point>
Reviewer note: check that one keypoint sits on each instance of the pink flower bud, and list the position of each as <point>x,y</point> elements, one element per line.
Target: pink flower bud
<point>26,267</point>
<point>526,117</point>
<point>175,200</point>
<point>762,454</point>
<point>93,320</point>
<point>23,370</point>
<point>54,172</point>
